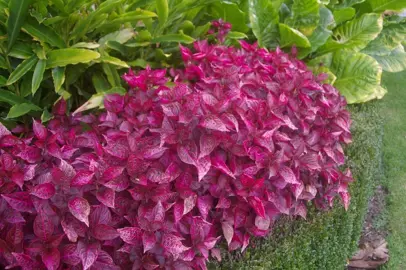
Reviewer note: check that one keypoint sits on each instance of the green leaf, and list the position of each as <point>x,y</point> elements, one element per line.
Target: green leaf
<point>22,109</point>
<point>25,85</point>
<point>112,75</point>
<point>181,38</point>
<point>138,63</point>
<point>58,75</point>
<point>3,80</point>
<point>162,10</point>
<point>393,62</point>
<point>3,62</point>
<point>290,37</point>
<point>86,45</point>
<point>343,15</point>
<point>46,116</point>
<point>390,37</point>
<point>107,6</point>
<point>264,22</point>
<point>355,34</point>
<point>22,69</point>
<point>358,75</point>
<point>117,47</point>
<point>236,35</point>
<point>383,5</point>
<point>11,98</point>
<point>113,60</point>
<point>100,83</point>
<point>71,56</point>
<point>133,16</point>
<point>201,30</point>
<point>347,3</point>
<point>121,36</point>
<point>38,75</point>
<point>43,33</point>
<point>18,13</point>
<point>94,102</point>
<point>21,50</point>
<point>304,16</point>
<point>322,32</point>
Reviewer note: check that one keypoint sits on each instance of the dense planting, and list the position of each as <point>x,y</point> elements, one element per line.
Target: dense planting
<point>218,150</point>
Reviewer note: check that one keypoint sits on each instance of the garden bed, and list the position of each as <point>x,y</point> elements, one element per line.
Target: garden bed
<point>324,240</point>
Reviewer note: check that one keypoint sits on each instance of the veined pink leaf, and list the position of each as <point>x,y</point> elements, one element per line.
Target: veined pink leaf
<point>4,131</point>
<point>228,231</point>
<point>82,178</point>
<point>130,235</point>
<point>20,201</point>
<point>213,122</point>
<point>189,204</point>
<point>106,196</point>
<point>69,255</point>
<point>258,206</point>
<point>88,253</point>
<point>148,240</point>
<point>288,175</point>
<point>112,173</point>
<point>104,232</point>
<point>24,261</point>
<point>80,209</point>
<point>43,226</point>
<point>39,130</point>
<point>51,258</point>
<point>155,153</point>
<point>173,244</point>
<point>203,166</point>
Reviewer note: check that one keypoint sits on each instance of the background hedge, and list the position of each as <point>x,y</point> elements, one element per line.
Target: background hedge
<point>325,240</point>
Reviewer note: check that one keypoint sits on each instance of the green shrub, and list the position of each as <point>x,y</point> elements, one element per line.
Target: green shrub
<point>324,240</point>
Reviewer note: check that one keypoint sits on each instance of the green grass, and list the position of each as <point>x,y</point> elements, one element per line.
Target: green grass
<point>394,109</point>
<point>326,239</point>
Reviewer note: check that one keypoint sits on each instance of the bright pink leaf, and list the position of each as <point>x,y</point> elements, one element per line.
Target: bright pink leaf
<point>80,209</point>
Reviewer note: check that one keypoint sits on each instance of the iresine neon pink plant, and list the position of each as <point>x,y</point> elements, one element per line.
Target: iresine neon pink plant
<point>216,152</point>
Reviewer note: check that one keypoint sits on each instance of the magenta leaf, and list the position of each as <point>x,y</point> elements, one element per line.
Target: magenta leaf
<point>69,255</point>
<point>104,232</point>
<point>130,235</point>
<point>88,253</point>
<point>82,178</point>
<point>44,191</point>
<point>106,196</point>
<point>148,240</point>
<point>213,122</point>
<point>228,231</point>
<point>43,226</point>
<point>4,131</point>
<point>173,244</point>
<point>112,173</point>
<point>288,175</point>
<point>80,209</point>
<point>24,261</point>
<point>258,206</point>
<point>20,201</point>
<point>203,166</point>
<point>207,144</point>
<point>51,258</point>
<point>39,130</point>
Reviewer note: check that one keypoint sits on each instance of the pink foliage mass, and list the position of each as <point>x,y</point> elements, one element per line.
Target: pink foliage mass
<point>215,152</point>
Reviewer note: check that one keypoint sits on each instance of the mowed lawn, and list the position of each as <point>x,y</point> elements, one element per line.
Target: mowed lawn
<point>394,112</point>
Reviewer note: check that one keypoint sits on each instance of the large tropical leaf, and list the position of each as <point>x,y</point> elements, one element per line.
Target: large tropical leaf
<point>264,22</point>
<point>18,13</point>
<point>322,32</point>
<point>343,15</point>
<point>355,34</point>
<point>347,3</point>
<point>304,16</point>
<point>395,61</point>
<point>383,5</point>
<point>43,33</point>
<point>290,37</point>
<point>64,57</point>
<point>358,75</point>
<point>390,37</point>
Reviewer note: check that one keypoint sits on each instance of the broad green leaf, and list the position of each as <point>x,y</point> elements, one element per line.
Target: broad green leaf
<point>59,4</point>
<point>22,109</point>
<point>290,37</point>
<point>358,75</point>
<point>53,20</point>
<point>21,50</point>
<point>86,45</point>
<point>181,38</point>
<point>355,34</point>
<point>25,85</point>
<point>304,16</point>
<point>383,5</point>
<point>117,47</point>
<point>201,30</point>
<point>107,6</point>
<point>22,69</point>
<point>347,3</point>
<point>38,75</point>
<point>393,62</point>
<point>39,51</point>
<point>162,10</point>
<point>264,22</point>
<point>133,16</point>
<point>343,15</point>
<point>113,60</point>
<point>100,83</point>
<point>121,36</point>
<point>3,80</point>
<point>70,56</point>
<point>94,102</point>
<point>18,13</point>
<point>138,63</point>
<point>58,76</point>
<point>236,35</point>
<point>231,13</point>
<point>379,93</point>
<point>11,98</point>
<point>43,33</point>
<point>3,62</point>
<point>322,32</point>
<point>390,37</point>
<point>112,75</point>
